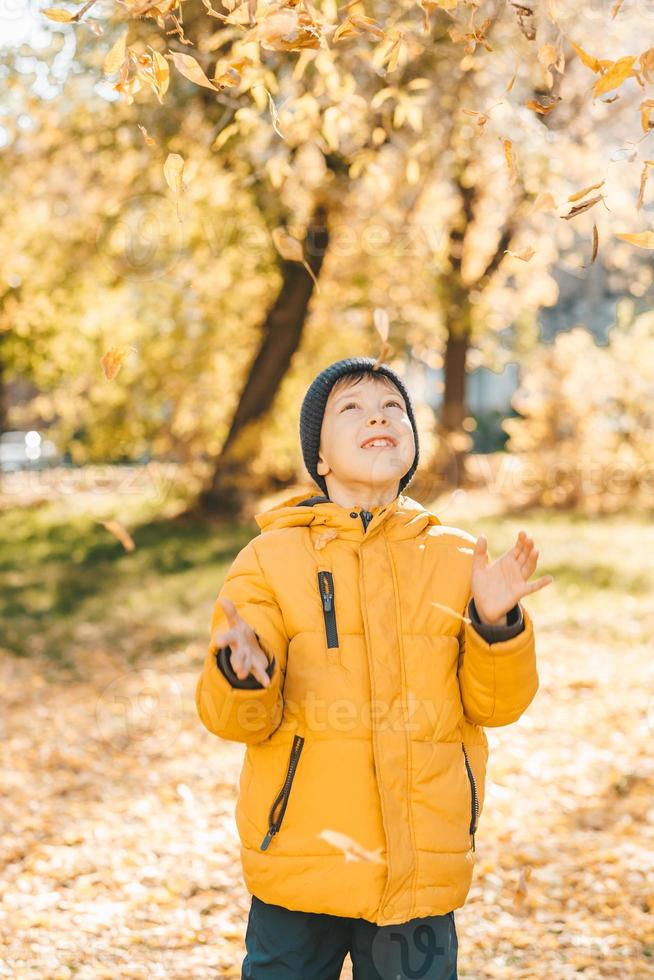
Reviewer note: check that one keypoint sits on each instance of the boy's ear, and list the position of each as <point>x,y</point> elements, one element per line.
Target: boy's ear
<point>322,467</point>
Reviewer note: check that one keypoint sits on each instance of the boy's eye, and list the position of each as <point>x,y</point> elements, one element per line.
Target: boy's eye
<point>391,401</point>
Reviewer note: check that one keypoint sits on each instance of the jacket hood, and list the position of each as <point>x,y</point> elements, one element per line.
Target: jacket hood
<point>405,517</point>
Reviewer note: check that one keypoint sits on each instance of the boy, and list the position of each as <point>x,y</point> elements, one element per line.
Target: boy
<point>363,647</point>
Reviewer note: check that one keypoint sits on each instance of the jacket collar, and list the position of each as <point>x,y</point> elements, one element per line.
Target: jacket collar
<point>403,517</point>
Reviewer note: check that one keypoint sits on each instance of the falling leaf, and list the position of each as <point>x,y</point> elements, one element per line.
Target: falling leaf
<point>173,170</point>
<point>525,255</point>
<point>368,25</point>
<point>161,73</point>
<point>288,30</point>
<point>643,183</point>
<point>352,849</point>
<point>291,249</point>
<point>56,13</point>
<point>148,139</point>
<point>380,319</point>
<point>520,893</point>
<point>595,244</point>
<point>643,239</point>
<point>119,531</point>
<point>113,359</point>
<point>647,64</point>
<point>540,108</point>
<point>274,115</point>
<point>510,160</point>
<point>615,9</point>
<point>544,202</point>
<point>646,108</point>
<point>618,73</point>
<point>288,247</point>
<point>591,62</point>
<point>580,208</point>
<point>324,538</point>
<point>116,55</point>
<point>451,612</point>
<point>187,66</point>
<point>579,194</point>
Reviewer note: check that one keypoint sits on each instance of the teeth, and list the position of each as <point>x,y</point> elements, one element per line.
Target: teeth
<point>378,442</point>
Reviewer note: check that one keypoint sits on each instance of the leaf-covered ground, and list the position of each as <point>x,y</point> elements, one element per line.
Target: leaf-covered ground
<point>117,839</point>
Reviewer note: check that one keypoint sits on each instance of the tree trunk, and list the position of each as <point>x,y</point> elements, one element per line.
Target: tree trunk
<point>280,338</point>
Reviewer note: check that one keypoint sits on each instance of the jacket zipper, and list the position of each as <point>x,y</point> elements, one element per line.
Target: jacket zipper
<point>275,822</point>
<point>475,798</point>
<point>326,586</point>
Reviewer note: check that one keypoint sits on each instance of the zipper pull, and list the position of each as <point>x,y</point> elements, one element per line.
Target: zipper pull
<point>473,842</point>
<point>267,839</point>
<point>326,597</point>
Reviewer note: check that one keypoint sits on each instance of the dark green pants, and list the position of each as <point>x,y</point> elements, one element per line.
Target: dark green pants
<point>285,945</point>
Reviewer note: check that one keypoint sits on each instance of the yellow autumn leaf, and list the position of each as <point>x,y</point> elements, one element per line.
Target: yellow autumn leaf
<point>173,170</point>
<point>288,247</point>
<point>113,359</point>
<point>187,66</point>
<point>352,849</point>
<point>588,59</point>
<point>643,239</point>
<point>525,254</point>
<point>380,319</point>
<point>618,73</point>
<point>586,190</point>
<point>116,55</point>
<point>56,13</point>
<point>120,532</point>
<point>161,71</point>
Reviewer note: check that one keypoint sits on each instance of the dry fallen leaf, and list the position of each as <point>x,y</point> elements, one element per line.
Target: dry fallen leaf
<point>119,531</point>
<point>187,66</point>
<point>643,239</point>
<point>352,850</point>
<point>525,255</point>
<point>113,359</point>
<point>579,194</point>
<point>291,249</point>
<point>580,208</point>
<point>116,55</point>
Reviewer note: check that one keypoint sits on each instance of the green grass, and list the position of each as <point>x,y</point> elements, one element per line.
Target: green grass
<point>66,582</point>
<point>68,587</point>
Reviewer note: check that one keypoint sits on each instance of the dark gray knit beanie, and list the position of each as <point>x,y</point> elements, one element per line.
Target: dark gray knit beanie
<point>313,409</point>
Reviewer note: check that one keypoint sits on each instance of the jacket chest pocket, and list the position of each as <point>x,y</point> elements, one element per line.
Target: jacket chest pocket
<point>279,804</point>
<point>327,600</point>
<point>474,797</point>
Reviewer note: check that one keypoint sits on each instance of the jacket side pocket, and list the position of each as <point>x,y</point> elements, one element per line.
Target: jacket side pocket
<point>474,798</point>
<point>278,808</point>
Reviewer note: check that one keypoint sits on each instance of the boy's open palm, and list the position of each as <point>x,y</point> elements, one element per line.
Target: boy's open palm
<point>496,587</point>
<point>246,655</point>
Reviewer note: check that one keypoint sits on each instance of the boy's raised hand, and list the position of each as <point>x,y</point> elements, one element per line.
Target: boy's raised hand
<point>497,587</point>
<point>246,655</point>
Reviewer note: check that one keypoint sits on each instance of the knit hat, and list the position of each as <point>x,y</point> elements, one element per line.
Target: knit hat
<point>315,400</point>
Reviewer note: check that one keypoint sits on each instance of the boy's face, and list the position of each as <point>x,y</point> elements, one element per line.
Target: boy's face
<point>355,413</point>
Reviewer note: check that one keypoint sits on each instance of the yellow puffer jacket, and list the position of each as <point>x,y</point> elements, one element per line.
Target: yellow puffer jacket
<point>364,774</point>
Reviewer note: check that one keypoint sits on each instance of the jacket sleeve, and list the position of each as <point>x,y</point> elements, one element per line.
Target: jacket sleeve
<point>237,712</point>
<point>492,634</point>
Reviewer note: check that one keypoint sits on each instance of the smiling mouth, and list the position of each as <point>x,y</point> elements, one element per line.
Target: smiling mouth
<point>383,442</point>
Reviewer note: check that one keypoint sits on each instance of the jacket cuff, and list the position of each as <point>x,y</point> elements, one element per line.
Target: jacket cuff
<point>497,634</point>
<point>250,682</point>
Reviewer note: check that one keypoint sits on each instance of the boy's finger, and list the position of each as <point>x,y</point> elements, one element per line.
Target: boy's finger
<point>540,583</point>
<point>223,639</point>
<point>231,611</point>
<point>261,675</point>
